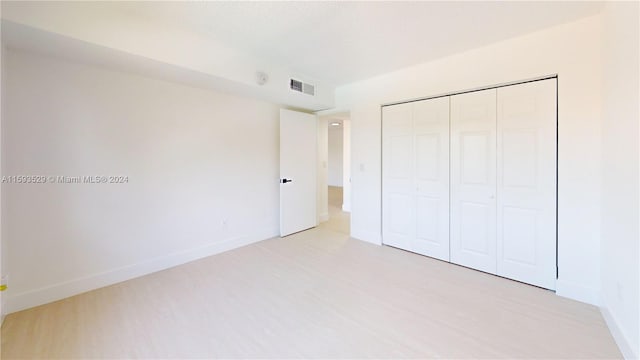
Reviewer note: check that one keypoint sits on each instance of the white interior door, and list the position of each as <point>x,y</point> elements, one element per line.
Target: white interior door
<point>398,210</point>
<point>431,139</point>
<point>298,160</point>
<point>526,234</point>
<point>415,193</point>
<point>473,180</point>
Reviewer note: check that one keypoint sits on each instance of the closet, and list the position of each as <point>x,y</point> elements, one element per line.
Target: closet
<point>471,179</point>
<point>416,177</point>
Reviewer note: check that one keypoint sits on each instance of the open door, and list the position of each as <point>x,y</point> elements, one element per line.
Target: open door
<point>298,166</point>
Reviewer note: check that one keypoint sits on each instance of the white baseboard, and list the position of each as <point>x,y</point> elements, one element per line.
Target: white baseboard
<point>324,217</point>
<point>346,208</point>
<point>28,299</point>
<point>577,292</point>
<point>618,336</point>
<point>367,236</point>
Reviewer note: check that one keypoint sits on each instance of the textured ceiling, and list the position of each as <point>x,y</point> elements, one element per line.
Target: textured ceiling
<point>222,45</point>
<point>342,42</point>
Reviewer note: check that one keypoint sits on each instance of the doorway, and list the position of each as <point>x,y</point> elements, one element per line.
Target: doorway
<point>337,172</point>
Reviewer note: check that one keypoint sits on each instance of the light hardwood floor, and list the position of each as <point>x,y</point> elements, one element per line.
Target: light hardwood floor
<point>338,219</point>
<point>316,294</point>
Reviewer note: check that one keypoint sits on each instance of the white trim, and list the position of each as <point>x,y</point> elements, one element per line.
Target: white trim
<point>346,207</point>
<point>62,290</point>
<point>577,292</point>
<point>618,335</point>
<point>324,217</point>
<point>517,82</point>
<point>367,236</point>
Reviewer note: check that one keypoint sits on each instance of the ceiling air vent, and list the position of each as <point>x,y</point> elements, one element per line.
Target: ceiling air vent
<point>308,89</point>
<point>299,86</point>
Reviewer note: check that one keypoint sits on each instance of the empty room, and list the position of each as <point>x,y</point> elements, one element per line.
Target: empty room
<point>320,179</point>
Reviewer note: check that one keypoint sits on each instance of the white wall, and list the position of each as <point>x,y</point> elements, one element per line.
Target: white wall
<point>323,195</point>
<point>335,156</point>
<point>346,166</point>
<point>202,169</point>
<point>620,233</point>
<point>573,51</point>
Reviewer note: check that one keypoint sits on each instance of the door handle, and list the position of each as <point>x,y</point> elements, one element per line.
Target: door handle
<point>284,181</point>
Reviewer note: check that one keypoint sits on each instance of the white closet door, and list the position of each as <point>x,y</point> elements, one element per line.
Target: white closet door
<point>431,138</point>
<point>398,214</point>
<point>473,180</point>
<point>526,232</point>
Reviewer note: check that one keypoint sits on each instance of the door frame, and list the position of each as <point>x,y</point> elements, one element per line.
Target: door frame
<point>323,123</point>
<point>495,86</point>
<point>297,212</point>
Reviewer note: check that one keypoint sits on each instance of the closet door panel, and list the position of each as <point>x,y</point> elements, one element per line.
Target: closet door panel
<point>398,209</point>
<point>431,132</point>
<point>526,214</point>
<point>473,180</point>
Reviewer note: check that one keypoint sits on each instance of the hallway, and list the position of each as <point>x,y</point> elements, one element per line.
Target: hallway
<point>339,220</point>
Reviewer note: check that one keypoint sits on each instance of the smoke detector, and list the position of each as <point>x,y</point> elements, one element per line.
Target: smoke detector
<point>261,78</point>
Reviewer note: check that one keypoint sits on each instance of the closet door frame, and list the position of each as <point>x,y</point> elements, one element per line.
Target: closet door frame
<point>556,179</point>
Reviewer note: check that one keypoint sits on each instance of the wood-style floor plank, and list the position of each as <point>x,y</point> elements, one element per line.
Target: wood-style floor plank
<point>316,294</point>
